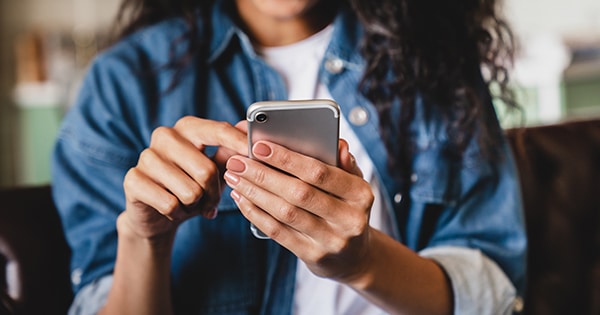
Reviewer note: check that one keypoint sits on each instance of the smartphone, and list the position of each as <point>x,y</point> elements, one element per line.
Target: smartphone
<point>309,127</point>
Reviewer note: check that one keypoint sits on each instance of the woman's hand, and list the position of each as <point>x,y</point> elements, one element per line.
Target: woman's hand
<point>174,180</point>
<point>319,212</point>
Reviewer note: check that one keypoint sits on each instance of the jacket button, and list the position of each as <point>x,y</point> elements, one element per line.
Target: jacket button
<point>518,304</point>
<point>76,276</point>
<point>358,116</point>
<point>334,66</point>
<point>398,198</point>
<point>414,177</point>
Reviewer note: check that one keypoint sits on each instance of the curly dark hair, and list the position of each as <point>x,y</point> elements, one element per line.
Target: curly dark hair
<point>435,49</point>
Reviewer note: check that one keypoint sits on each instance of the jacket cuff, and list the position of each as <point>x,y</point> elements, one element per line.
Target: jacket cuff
<point>92,297</point>
<point>475,277</point>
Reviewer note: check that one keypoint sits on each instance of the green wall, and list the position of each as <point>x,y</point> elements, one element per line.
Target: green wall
<point>582,97</point>
<point>38,127</point>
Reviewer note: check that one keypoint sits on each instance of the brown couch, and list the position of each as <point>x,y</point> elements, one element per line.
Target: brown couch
<point>33,247</point>
<point>560,176</point>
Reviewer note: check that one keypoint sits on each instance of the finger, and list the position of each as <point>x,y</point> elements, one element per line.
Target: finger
<point>276,230</point>
<point>303,245</point>
<point>140,189</point>
<point>171,178</point>
<point>328,178</point>
<point>290,189</point>
<point>278,207</point>
<point>223,154</point>
<point>347,160</point>
<point>204,132</point>
<point>284,212</point>
<point>172,146</point>
<point>243,126</point>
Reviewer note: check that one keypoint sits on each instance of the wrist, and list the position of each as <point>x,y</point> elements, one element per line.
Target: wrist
<point>363,277</point>
<point>141,282</point>
<point>161,243</point>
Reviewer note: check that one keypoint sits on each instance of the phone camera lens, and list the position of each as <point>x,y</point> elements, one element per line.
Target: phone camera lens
<point>261,117</point>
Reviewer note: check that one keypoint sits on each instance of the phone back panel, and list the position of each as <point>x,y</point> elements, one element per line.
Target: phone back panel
<point>308,127</point>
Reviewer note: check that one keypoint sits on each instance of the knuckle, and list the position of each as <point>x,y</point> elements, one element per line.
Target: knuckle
<point>337,245</point>
<point>222,126</point>
<point>205,172</point>
<point>289,214</point>
<point>318,174</point>
<point>251,192</point>
<point>131,177</point>
<point>211,169</point>
<point>146,157</point>
<point>160,134</point>
<point>200,173</point>
<point>273,231</point>
<point>191,195</point>
<point>284,159</point>
<point>185,122</point>
<point>169,205</point>
<point>302,194</point>
<point>260,176</point>
<point>357,226</point>
<point>367,198</point>
<point>221,129</point>
<point>362,195</point>
<point>131,174</point>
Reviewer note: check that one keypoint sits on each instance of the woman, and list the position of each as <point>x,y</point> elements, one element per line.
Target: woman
<point>423,217</point>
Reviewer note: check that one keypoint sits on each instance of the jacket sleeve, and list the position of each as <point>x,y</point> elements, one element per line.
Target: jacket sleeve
<point>99,140</point>
<point>466,213</point>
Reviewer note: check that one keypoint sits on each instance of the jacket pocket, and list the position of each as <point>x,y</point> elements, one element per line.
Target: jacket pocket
<point>435,177</point>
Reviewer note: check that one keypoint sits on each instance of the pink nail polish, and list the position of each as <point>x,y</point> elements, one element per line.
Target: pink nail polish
<point>235,195</point>
<point>231,178</point>
<point>262,149</point>
<point>236,165</point>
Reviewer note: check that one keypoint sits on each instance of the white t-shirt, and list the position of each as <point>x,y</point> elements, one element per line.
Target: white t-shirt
<point>298,64</point>
<point>474,276</point>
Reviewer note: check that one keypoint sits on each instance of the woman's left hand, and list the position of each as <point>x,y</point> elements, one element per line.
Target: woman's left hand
<point>318,211</point>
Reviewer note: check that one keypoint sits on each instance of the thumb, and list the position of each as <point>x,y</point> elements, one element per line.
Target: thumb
<point>347,160</point>
<point>223,154</point>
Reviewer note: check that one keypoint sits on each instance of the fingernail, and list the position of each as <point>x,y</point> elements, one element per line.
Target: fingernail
<point>236,165</point>
<point>235,195</point>
<point>262,149</point>
<point>232,178</point>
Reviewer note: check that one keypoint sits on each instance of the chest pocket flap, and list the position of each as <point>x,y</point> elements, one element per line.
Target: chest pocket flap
<point>435,177</point>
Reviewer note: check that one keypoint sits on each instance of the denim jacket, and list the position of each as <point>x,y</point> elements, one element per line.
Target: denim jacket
<point>218,267</point>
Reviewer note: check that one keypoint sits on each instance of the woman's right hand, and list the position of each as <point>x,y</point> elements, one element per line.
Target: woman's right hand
<point>175,180</point>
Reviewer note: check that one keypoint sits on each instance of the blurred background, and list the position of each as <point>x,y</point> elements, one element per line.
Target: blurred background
<point>46,45</point>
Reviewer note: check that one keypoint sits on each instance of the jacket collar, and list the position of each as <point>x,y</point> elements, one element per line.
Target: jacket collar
<point>345,43</point>
<point>223,28</point>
